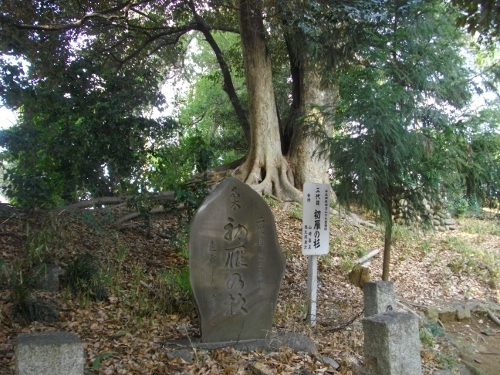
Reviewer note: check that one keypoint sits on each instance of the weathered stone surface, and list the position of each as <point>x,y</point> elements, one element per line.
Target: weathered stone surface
<point>273,341</point>
<point>55,353</point>
<point>258,368</point>
<point>432,313</point>
<point>236,264</point>
<point>185,354</point>
<point>447,314</point>
<point>330,362</point>
<point>379,297</point>
<point>392,344</point>
<point>463,312</point>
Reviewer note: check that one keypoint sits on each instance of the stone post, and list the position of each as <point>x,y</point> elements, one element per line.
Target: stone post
<point>53,353</point>
<point>392,344</point>
<point>379,297</point>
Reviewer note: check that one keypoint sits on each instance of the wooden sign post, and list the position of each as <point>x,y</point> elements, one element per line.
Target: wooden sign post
<point>315,237</point>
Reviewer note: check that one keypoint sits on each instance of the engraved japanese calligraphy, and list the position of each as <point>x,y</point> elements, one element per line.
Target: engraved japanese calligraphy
<point>236,264</point>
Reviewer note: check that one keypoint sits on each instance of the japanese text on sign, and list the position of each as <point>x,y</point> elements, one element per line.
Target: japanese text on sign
<point>316,223</point>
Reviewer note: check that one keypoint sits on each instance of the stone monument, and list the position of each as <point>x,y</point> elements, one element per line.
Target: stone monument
<point>236,264</point>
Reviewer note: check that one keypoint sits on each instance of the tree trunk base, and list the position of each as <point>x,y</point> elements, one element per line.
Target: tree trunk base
<point>270,178</point>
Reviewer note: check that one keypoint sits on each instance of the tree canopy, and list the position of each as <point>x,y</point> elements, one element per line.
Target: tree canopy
<point>386,85</point>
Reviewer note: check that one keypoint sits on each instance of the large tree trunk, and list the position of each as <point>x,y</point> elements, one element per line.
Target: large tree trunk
<point>265,168</point>
<point>307,166</point>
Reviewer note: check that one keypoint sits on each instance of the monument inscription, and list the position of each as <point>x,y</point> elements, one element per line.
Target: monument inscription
<point>235,262</point>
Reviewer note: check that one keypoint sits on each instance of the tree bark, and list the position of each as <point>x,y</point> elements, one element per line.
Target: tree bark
<point>386,266</point>
<point>307,166</point>
<point>265,168</point>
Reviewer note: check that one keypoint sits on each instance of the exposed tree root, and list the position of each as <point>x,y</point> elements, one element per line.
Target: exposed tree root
<point>494,317</point>
<point>273,179</point>
<point>270,178</point>
<point>265,177</point>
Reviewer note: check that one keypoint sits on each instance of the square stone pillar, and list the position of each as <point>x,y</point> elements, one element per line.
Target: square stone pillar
<point>392,344</point>
<point>379,297</point>
<point>53,353</point>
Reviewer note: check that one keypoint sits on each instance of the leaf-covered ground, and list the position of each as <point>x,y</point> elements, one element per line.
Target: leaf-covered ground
<point>147,305</point>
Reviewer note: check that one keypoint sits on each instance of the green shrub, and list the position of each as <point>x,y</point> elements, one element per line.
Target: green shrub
<point>83,277</point>
<point>173,292</point>
<point>24,308</point>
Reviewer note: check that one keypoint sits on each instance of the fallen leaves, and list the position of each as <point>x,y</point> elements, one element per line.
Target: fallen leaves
<point>126,335</point>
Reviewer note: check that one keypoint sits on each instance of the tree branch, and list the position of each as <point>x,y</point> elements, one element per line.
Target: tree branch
<point>228,86</point>
<point>107,14</point>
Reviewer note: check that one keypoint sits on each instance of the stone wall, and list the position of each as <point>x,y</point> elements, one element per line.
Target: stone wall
<point>440,219</point>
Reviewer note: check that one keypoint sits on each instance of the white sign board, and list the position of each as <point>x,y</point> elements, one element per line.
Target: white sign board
<point>316,219</point>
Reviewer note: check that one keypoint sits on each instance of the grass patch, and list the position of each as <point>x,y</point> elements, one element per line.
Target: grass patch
<point>271,201</point>
<point>296,212</point>
<point>174,291</point>
<point>480,227</point>
<point>474,260</point>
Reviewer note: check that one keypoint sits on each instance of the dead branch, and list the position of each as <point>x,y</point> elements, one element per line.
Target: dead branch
<point>133,215</point>
<point>367,257</point>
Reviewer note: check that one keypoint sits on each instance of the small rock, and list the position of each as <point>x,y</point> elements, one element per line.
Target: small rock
<point>258,368</point>
<point>304,372</point>
<point>489,332</point>
<point>330,362</point>
<point>432,313</point>
<point>183,354</point>
<point>447,314</point>
<point>463,312</point>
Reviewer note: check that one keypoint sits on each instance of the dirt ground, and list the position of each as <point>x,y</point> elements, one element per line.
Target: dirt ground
<point>476,343</point>
<point>128,332</point>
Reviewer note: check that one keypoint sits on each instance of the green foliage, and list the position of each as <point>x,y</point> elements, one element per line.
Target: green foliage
<point>83,277</point>
<point>429,333</point>
<point>43,243</point>
<point>191,195</point>
<point>21,282</point>
<point>389,140</point>
<point>271,201</point>
<point>474,260</point>
<point>206,113</point>
<point>96,363</point>
<point>170,293</point>
<point>479,16</point>
<point>80,132</point>
<point>462,207</point>
<point>393,124</point>
<point>296,212</point>
<point>174,291</point>
<point>478,226</point>
<point>480,166</point>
